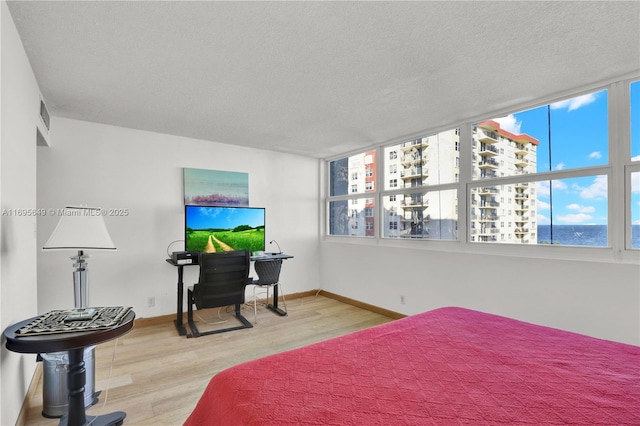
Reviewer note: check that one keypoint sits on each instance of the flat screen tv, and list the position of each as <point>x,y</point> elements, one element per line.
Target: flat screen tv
<point>222,228</point>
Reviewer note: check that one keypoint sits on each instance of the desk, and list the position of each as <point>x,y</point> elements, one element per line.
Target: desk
<point>179,321</point>
<point>74,343</point>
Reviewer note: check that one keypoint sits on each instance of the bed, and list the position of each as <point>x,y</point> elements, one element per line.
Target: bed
<point>446,366</point>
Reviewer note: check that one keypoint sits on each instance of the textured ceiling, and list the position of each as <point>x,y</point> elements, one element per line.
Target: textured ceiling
<point>316,78</point>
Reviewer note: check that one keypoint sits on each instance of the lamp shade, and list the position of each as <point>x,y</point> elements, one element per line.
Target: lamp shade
<point>80,228</point>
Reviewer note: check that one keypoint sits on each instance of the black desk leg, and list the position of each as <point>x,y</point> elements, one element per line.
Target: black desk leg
<point>274,306</point>
<point>76,379</point>
<point>178,322</point>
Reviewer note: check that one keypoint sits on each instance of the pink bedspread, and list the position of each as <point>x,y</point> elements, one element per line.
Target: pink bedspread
<point>446,366</point>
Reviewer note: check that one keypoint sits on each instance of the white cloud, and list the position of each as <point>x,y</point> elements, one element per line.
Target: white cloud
<point>575,103</point>
<point>560,166</point>
<point>542,205</point>
<point>558,184</point>
<point>595,155</point>
<point>636,158</point>
<point>635,182</point>
<point>543,189</point>
<point>542,219</point>
<point>636,222</point>
<point>597,189</point>
<point>509,123</point>
<point>575,218</point>
<point>581,209</point>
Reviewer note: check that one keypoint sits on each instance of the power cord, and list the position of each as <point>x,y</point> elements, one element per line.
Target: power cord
<point>169,251</point>
<point>222,320</point>
<point>108,385</point>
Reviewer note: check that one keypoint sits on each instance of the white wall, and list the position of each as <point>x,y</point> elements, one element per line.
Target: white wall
<point>600,299</point>
<point>20,101</point>
<point>113,167</point>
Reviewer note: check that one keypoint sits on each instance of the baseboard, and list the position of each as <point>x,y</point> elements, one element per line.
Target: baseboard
<point>164,319</point>
<point>359,304</point>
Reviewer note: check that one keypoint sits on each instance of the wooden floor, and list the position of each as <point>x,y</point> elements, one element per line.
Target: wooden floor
<point>157,377</point>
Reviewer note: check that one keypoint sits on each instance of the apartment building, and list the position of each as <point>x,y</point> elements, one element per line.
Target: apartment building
<point>499,213</point>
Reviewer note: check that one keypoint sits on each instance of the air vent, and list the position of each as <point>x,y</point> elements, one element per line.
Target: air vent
<point>43,125</point>
<point>44,114</point>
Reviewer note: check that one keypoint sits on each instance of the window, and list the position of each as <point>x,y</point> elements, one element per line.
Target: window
<point>634,171</point>
<point>359,218</point>
<point>634,97</point>
<point>345,171</point>
<point>635,210</point>
<point>555,138</point>
<point>543,176</point>
<point>424,211</point>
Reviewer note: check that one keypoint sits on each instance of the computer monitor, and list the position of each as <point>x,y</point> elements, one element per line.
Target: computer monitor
<point>222,228</point>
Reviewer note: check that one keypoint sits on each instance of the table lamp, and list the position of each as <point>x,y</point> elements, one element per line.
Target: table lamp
<point>80,228</point>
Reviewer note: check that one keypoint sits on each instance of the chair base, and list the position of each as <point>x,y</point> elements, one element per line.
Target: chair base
<point>277,310</point>
<point>271,306</point>
<point>196,333</point>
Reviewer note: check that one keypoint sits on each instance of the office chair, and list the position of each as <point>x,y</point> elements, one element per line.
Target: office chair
<point>222,282</point>
<point>268,276</point>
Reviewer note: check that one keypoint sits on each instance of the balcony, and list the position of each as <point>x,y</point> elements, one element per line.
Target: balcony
<point>413,172</point>
<point>520,231</point>
<point>488,218</point>
<point>489,204</point>
<point>520,161</point>
<point>521,196</point>
<point>521,149</point>
<point>413,159</point>
<point>487,190</point>
<point>488,163</point>
<point>485,136</point>
<point>521,219</point>
<point>416,144</point>
<point>522,185</point>
<point>409,203</point>
<point>484,174</point>
<point>489,231</point>
<point>488,150</point>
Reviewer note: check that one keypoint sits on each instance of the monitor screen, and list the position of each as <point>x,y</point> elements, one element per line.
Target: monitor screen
<point>221,228</point>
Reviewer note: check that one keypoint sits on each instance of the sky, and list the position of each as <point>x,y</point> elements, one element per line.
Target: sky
<point>200,217</point>
<point>574,134</point>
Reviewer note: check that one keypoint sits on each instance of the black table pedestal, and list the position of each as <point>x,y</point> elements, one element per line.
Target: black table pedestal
<point>76,379</point>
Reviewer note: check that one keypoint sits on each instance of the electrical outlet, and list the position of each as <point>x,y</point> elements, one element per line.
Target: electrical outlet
<point>151,302</point>
<point>402,300</point>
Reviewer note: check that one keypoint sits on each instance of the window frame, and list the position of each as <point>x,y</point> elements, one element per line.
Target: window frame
<point>618,171</point>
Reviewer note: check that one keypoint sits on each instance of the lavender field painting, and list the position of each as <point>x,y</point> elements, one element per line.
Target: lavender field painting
<point>215,188</point>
